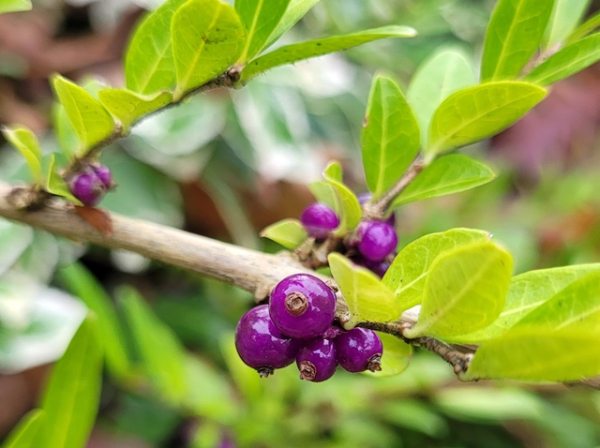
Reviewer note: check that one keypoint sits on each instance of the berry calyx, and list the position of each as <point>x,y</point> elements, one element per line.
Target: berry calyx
<point>319,220</point>
<point>302,306</point>
<point>88,188</point>
<point>376,240</point>
<point>358,350</point>
<point>317,360</point>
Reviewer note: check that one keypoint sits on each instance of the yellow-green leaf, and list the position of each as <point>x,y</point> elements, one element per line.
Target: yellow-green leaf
<point>348,208</point>
<point>395,358</point>
<point>289,233</point>
<point>15,5</point>
<point>24,434</point>
<point>129,106</point>
<point>56,185</point>
<point>28,145</point>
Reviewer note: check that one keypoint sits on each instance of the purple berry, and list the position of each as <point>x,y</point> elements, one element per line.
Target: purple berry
<point>376,240</point>
<point>104,174</point>
<point>302,306</point>
<point>377,267</point>
<point>317,360</point>
<point>260,344</point>
<point>318,220</point>
<point>363,198</point>
<point>358,350</point>
<point>88,188</point>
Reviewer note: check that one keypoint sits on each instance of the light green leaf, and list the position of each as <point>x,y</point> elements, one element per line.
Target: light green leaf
<point>349,208</point>
<point>91,121</point>
<point>445,72</point>
<point>149,66</point>
<point>447,175</point>
<point>407,273</point>
<point>129,106</point>
<point>325,193</point>
<point>260,18</point>
<point>207,38</point>
<point>390,136</point>
<point>71,398</point>
<point>585,28</point>
<point>367,297</point>
<point>289,233</point>
<point>395,357</point>
<point>536,354</point>
<point>28,145</point>
<point>566,14</point>
<point>56,185</point>
<point>15,5</point>
<point>80,282</point>
<point>465,290</point>
<point>24,434</point>
<point>513,35</point>
<point>527,292</point>
<point>567,61</point>
<point>65,133</point>
<point>295,11</point>
<point>478,112</point>
<point>289,54</point>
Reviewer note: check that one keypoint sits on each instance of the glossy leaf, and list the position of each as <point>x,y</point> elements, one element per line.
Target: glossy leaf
<point>149,66</point>
<point>325,193</point>
<point>26,431</point>
<point>478,112</point>
<point>349,208</point>
<point>445,72</point>
<point>260,18</point>
<point>71,398</point>
<point>407,273</point>
<point>390,136</point>
<point>207,38</point>
<point>513,35</point>
<point>294,12</point>
<point>289,54</point>
<point>566,62</point>
<point>566,14</point>
<point>447,175</point>
<point>367,297</point>
<point>129,106</point>
<point>91,121</point>
<point>28,145</point>
<point>526,293</point>
<point>289,233</point>
<point>536,354</point>
<point>465,290</point>
<point>56,185</point>
<point>14,5</point>
<point>395,358</point>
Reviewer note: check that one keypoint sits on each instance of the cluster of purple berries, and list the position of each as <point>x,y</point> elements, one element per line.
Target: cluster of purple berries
<point>91,184</point>
<point>297,325</point>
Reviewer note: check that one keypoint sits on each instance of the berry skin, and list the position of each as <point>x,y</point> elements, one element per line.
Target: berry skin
<point>376,240</point>
<point>317,360</point>
<point>261,345</point>
<point>302,306</point>
<point>358,350</point>
<point>318,220</point>
<point>88,188</point>
<point>104,174</point>
<point>363,198</point>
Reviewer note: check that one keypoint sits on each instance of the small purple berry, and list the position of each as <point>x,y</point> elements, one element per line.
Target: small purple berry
<point>261,345</point>
<point>317,360</point>
<point>88,188</point>
<point>318,220</point>
<point>302,306</point>
<point>104,174</point>
<point>358,350</point>
<point>376,240</point>
<point>363,198</point>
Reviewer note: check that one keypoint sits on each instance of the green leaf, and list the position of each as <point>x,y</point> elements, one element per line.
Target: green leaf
<point>71,398</point>
<point>478,112</point>
<point>390,136</point>
<point>367,297</point>
<point>24,434</point>
<point>395,358</point>
<point>566,14</point>
<point>56,185</point>
<point>585,28</point>
<point>445,72</point>
<point>65,133</point>
<point>91,121</point>
<point>447,175</point>
<point>15,5</point>
<point>28,145</point>
<point>568,61</point>
<point>295,11</point>
<point>289,54</point>
<point>80,282</point>
<point>260,18</point>
<point>129,106</point>
<point>527,292</point>
<point>513,35</point>
<point>324,192</point>
<point>465,290</point>
<point>149,66</point>
<point>349,208</point>
<point>407,273</point>
<point>536,354</point>
<point>207,38</point>
<point>289,233</point>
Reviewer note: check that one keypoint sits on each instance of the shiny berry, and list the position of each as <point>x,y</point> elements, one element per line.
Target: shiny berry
<point>363,198</point>
<point>302,306</point>
<point>318,220</point>
<point>261,345</point>
<point>104,174</point>
<point>88,188</point>
<point>376,240</point>
<point>317,360</point>
<point>358,350</point>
